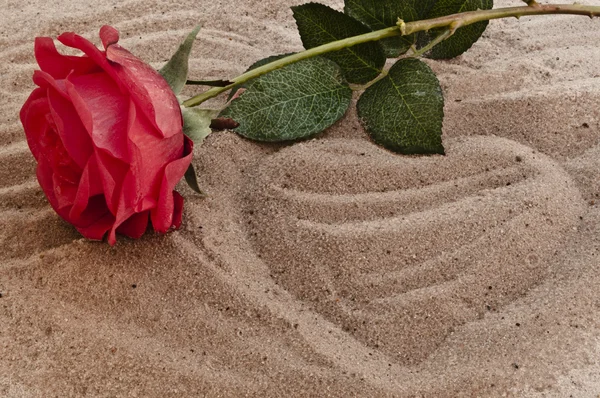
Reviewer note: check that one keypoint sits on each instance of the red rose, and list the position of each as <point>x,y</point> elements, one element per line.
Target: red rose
<point>106,131</point>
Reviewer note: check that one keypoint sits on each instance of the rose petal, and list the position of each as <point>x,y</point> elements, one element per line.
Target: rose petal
<point>58,65</point>
<point>34,121</point>
<point>145,163</point>
<point>108,35</point>
<point>70,39</point>
<point>64,191</point>
<point>96,220</point>
<point>135,226</point>
<point>128,197</point>
<point>149,153</point>
<point>163,215</point>
<point>87,187</point>
<point>71,131</point>
<point>82,196</point>
<point>95,211</point>
<point>178,210</point>
<point>44,176</point>
<point>103,111</point>
<point>97,230</point>
<point>130,194</point>
<point>46,81</point>
<point>149,90</point>
<point>111,174</point>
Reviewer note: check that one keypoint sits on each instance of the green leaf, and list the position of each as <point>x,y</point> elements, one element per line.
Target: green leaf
<point>423,7</point>
<point>404,111</point>
<point>319,24</point>
<point>175,70</point>
<point>192,179</point>
<point>464,37</point>
<point>381,14</point>
<point>196,122</point>
<point>255,65</point>
<point>296,101</point>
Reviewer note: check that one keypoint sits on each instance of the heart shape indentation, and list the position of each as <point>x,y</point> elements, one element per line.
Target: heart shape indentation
<point>399,251</point>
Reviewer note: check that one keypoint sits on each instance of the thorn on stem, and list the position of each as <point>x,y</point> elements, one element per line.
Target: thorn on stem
<point>223,123</point>
<point>402,25</point>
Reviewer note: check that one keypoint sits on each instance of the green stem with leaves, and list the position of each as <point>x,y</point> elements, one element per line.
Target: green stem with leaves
<point>452,22</point>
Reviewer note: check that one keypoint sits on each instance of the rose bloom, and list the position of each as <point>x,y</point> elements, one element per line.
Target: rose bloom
<point>106,131</point>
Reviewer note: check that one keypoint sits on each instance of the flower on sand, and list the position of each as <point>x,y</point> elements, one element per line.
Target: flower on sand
<point>106,132</point>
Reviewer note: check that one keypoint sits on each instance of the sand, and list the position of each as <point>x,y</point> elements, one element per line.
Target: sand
<point>329,267</point>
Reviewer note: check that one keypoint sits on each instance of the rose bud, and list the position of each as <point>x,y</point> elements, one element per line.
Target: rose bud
<point>106,132</point>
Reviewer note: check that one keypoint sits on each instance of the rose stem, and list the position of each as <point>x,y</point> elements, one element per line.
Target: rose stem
<point>453,21</point>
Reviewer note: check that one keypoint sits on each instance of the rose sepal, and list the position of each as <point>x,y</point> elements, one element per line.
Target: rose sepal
<point>175,71</point>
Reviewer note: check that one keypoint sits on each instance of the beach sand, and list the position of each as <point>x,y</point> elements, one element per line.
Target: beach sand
<point>329,267</point>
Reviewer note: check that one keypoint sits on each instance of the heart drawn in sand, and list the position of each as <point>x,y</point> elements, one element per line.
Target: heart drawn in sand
<point>423,243</point>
